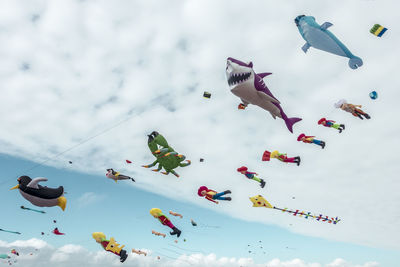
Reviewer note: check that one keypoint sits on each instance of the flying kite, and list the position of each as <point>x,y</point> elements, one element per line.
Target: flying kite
<point>117,176</point>
<point>212,195</point>
<point>25,208</point>
<point>128,161</point>
<point>110,245</point>
<point>251,175</point>
<point>319,37</point>
<point>251,89</point>
<point>310,139</point>
<point>280,156</point>
<point>193,222</point>
<point>57,232</point>
<point>355,110</point>
<point>207,95</point>
<point>260,201</point>
<point>331,124</point>
<point>378,30</point>
<point>167,158</point>
<point>164,220</point>
<point>373,95</point>
<point>4,256</point>
<point>13,251</point>
<point>12,232</point>
<point>41,196</point>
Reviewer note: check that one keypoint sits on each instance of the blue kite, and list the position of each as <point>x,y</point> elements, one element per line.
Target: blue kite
<point>319,37</point>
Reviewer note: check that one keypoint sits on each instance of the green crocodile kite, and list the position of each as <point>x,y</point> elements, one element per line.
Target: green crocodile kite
<point>167,158</point>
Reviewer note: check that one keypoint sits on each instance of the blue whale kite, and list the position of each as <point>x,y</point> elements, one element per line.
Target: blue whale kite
<point>320,38</point>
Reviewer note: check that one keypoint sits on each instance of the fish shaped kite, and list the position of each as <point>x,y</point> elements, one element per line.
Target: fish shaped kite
<point>260,201</point>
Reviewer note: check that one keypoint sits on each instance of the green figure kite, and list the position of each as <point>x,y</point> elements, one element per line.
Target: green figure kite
<point>167,158</point>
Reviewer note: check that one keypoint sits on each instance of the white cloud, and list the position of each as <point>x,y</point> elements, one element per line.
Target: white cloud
<point>89,198</point>
<point>32,255</point>
<point>91,63</point>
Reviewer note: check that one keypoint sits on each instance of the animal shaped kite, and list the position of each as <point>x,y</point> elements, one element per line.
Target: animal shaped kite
<point>355,110</point>
<point>310,139</point>
<point>13,251</point>
<point>319,37</point>
<point>260,201</point>
<point>212,195</point>
<point>378,30</point>
<point>193,222</point>
<point>25,208</point>
<point>117,176</point>
<point>164,220</point>
<point>251,89</point>
<point>57,232</point>
<point>251,175</point>
<point>373,95</point>
<point>4,256</point>
<point>41,196</point>
<point>167,158</point>
<point>110,245</point>
<point>280,156</point>
<point>331,124</point>
<point>158,233</point>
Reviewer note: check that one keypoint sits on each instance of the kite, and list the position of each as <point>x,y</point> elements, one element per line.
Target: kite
<point>280,156</point>
<point>193,222</point>
<point>175,214</point>
<point>373,95</point>
<point>117,176</point>
<point>41,196</point>
<point>201,160</point>
<point>4,256</point>
<point>207,95</point>
<point>251,175</point>
<point>139,252</point>
<point>110,245</point>
<point>57,232</point>
<point>319,37</point>
<point>212,195</point>
<point>331,124</point>
<point>167,158</point>
<point>157,213</point>
<point>251,89</point>
<point>260,201</point>
<point>40,211</point>
<point>353,109</point>
<point>378,30</point>
<point>158,233</point>
<point>70,162</point>
<point>310,139</point>
<point>128,161</point>
<point>12,232</point>
<point>13,251</point>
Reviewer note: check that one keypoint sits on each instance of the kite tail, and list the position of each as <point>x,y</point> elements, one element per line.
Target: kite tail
<point>355,62</point>
<point>290,122</point>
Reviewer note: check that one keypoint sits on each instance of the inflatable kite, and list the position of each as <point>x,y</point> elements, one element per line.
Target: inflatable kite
<point>353,109</point>
<point>117,176</point>
<point>319,37</point>
<point>251,175</point>
<point>378,30</point>
<point>128,161</point>
<point>57,232</point>
<point>207,95</point>
<point>110,245</point>
<point>310,139</point>
<point>193,222</point>
<point>212,195</point>
<point>41,196</point>
<point>251,89</point>
<point>373,95</point>
<point>164,220</point>
<point>260,201</point>
<point>40,211</point>
<point>4,256</point>
<point>158,233</point>
<point>13,251</point>
<point>167,158</point>
<point>280,156</point>
<point>139,252</point>
<point>331,124</point>
<point>175,214</point>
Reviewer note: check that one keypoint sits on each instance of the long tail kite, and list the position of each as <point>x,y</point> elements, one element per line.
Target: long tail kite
<point>18,233</point>
<point>25,208</point>
<point>260,201</point>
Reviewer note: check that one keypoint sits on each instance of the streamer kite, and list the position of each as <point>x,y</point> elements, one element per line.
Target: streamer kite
<point>12,232</point>
<point>25,208</point>
<point>378,30</point>
<point>260,201</point>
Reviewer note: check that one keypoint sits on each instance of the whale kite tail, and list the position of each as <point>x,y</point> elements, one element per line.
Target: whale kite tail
<point>290,121</point>
<point>355,62</point>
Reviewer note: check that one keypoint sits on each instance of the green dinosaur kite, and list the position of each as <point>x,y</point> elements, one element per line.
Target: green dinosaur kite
<point>167,158</point>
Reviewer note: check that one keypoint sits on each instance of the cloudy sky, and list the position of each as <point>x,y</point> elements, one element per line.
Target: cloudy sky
<point>86,81</point>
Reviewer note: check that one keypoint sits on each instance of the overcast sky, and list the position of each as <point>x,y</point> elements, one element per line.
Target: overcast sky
<point>71,70</point>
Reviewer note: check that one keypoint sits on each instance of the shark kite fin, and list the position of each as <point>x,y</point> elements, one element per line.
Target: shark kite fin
<point>325,26</point>
<point>264,74</point>
<point>305,47</point>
